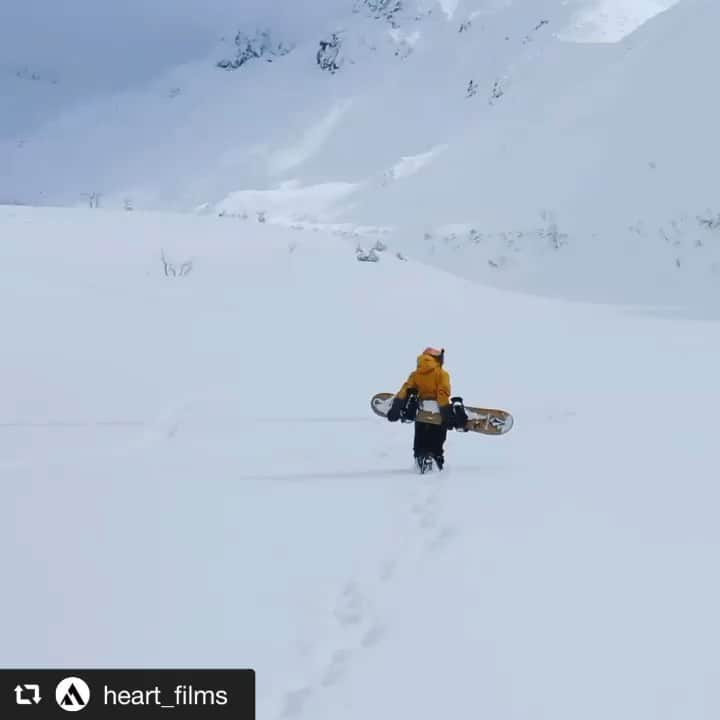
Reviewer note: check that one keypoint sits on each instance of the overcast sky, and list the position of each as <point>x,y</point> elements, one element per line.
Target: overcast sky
<point>127,36</point>
<point>92,48</point>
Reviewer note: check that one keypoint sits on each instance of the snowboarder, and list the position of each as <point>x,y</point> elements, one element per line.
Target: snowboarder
<point>429,381</point>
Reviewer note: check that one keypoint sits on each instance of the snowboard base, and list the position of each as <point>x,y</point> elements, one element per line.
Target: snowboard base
<point>486,421</point>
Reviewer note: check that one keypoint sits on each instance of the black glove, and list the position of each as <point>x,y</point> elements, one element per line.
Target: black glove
<point>393,414</point>
<point>461,416</point>
<point>448,416</point>
<point>453,415</point>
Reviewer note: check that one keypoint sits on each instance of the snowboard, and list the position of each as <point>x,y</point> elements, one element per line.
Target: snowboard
<point>486,421</point>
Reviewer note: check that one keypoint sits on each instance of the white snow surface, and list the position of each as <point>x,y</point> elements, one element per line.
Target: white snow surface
<point>190,471</point>
<point>612,20</point>
<point>192,476</point>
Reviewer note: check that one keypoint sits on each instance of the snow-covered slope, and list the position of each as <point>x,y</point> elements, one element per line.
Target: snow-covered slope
<point>191,476</point>
<point>585,125</point>
<point>603,139</point>
<point>447,82</point>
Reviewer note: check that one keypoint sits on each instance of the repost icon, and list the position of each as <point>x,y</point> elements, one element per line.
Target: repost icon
<point>27,695</point>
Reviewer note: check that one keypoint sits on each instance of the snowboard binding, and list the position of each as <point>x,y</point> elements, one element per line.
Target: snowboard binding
<point>459,413</point>
<point>409,409</point>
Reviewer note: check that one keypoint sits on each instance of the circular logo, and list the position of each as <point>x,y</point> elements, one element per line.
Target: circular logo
<point>72,694</point>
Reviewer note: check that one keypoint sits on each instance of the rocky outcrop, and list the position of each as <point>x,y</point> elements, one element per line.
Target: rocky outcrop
<point>260,46</point>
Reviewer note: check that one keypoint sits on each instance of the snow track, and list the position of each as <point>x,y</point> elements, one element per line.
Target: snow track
<point>261,515</point>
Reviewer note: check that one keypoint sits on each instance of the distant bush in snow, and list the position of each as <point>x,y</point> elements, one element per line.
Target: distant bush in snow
<point>498,263</point>
<point>372,255</point>
<point>380,9</point>
<point>253,48</point>
<point>25,73</point>
<point>93,199</point>
<point>688,243</point>
<point>551,231</point>
<point>528,38</point>
<point>327,56</point>
<point>350,45</point>
<point>367,256</point>
<point>496,93</point>
<point>241,215</point>
<point>170,270</point>
<point>501,250</point>
<point>710,222</point>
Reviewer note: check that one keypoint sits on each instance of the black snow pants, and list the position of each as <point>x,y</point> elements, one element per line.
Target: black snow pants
<point>429,439</point>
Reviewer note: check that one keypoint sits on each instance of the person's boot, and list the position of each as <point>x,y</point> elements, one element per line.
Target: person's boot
<point>440,461</point>
<point>424,462</point>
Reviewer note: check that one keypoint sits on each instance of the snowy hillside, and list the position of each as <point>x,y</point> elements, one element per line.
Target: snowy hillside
<point>439,84</point>
<point>602,137</point>
<point>565,147</point>
<point>192,476</point>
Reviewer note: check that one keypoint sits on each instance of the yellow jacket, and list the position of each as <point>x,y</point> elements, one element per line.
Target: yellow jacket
<point>430,379</point>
